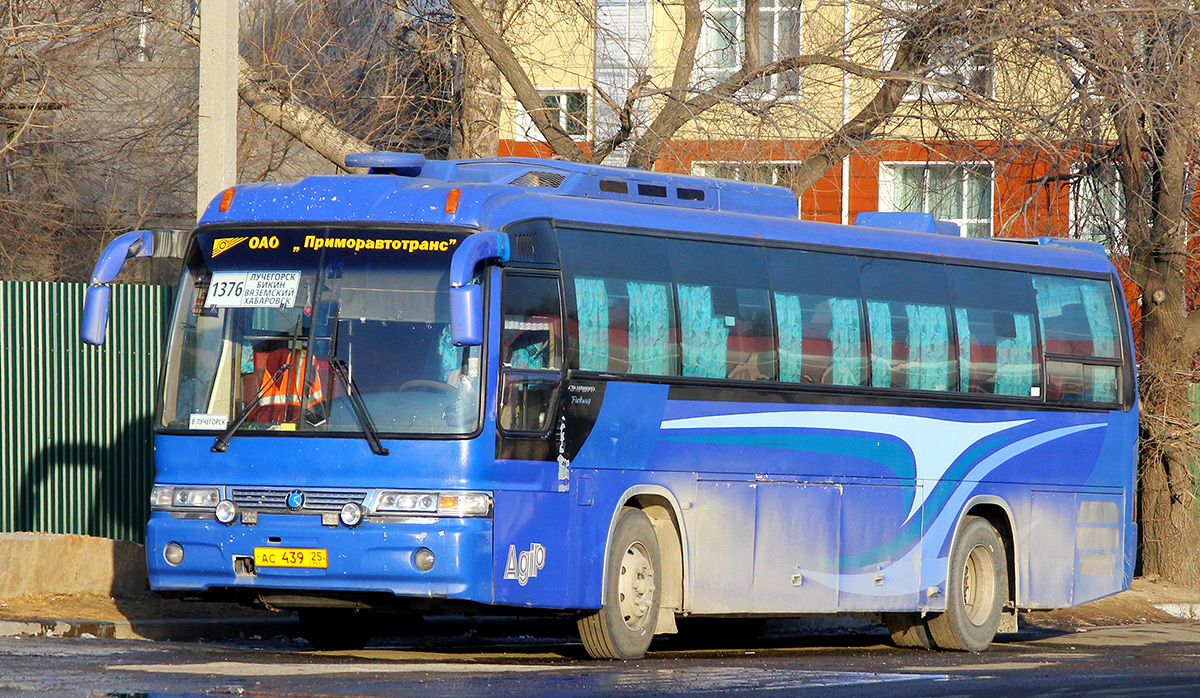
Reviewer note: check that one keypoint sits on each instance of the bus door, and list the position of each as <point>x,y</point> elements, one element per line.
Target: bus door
<point>531,365</point>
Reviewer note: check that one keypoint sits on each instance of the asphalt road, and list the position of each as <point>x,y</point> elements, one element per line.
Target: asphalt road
<point>1140,660</point>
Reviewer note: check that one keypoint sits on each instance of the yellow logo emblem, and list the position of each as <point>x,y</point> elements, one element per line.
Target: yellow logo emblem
<point>225,244</point>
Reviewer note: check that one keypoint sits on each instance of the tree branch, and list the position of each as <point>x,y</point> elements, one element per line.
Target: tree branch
<point>309,126</point>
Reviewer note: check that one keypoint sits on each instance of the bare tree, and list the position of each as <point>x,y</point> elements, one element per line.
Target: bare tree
<point>1135,70</point>
<point>86,149</point>
<point>692,90</point>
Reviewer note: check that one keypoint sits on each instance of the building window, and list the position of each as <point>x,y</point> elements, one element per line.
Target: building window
<point>957,66</point>
<point>1098,205</point>
<point>778,173</point>
<point>779,36</point>
<point>569,109</point>
<point>958,193</point>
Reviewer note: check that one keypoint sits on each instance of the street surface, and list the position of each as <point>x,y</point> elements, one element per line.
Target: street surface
<point>1135,660</point>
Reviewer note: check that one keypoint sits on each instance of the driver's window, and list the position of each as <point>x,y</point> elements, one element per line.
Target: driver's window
<point>530,351</point>
<point>531,324</point>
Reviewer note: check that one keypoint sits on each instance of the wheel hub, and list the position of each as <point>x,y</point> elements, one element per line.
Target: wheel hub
<point>635,587</point>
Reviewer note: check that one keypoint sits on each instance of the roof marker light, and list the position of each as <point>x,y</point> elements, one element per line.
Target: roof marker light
<point>452,200</point>
<point>226,199</point>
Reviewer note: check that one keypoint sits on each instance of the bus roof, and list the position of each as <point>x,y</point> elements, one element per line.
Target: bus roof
<point>403,188</point>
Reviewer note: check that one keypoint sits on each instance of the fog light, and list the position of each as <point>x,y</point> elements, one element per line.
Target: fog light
<point>227,511</point>
<point>173,553</point>
<point>352,514</point>
<point>423,559</point>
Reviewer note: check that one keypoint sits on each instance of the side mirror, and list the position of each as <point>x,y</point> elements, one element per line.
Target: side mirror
<point>95,313</point>
<point>466,299</point>
<point>139,243</point>
<point>466,316</point>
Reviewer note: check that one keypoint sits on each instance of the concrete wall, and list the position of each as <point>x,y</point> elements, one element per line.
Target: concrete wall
<point>51,563</point>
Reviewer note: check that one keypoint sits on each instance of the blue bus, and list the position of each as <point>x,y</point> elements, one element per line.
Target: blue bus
<point>629,397</point>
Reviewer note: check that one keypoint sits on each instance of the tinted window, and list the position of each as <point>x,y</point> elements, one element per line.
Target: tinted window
<point>623,315</point>
<point>1078,316</point>
<point>908,316</point>
<point>818,312</point>
<point>1078,321</point>
<point>724,311</point>
<point>997,342</point>
<point>531,324</point>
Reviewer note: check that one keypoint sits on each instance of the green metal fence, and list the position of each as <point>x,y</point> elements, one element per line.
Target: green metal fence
<point>75,420</point>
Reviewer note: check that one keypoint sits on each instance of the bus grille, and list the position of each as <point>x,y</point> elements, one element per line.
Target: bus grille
<point>276,499</point>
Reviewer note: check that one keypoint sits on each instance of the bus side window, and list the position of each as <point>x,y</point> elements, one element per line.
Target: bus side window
<point>818,317</point>
<point>997,344</point>
<point>908,315</point>
<point>1079,329</point>
<point>530,352</point>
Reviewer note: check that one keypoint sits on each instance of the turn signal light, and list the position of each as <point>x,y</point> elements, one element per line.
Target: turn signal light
<point>226,199</point>
<point>452,200</point>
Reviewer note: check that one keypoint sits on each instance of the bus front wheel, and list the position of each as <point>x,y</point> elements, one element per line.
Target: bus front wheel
<point>975,591</point>
<point>624,626</point>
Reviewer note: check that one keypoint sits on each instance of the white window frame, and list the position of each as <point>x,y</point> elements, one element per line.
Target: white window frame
<point>887,191</point>
<point>527,131</point>
<point>1080,188</point>
<point>710,46</point>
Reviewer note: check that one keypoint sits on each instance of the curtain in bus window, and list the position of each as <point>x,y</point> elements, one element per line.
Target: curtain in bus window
<point>1078,318</point>
<point>705,336</point>
<point>928,347</point>
<point>963,324</point>
<point>791,336</point>
<point>1014,359</point>
<point>879,317</point>
<point>591,299</point>
<point>847,343</point>
<point>450,355</point>
<point>1097,301</point>
<point>649,320</point>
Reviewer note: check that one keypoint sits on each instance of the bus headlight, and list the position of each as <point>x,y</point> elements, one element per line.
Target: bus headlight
<point>227,511</point>
<point>184,497</point>
<point>464,504</point>
<point>173,553</point>
<point>423,559</point>
<point>352,514</point>
<point>434,503</point>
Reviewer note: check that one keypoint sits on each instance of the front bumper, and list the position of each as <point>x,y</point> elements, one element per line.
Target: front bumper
<point>372,557</point>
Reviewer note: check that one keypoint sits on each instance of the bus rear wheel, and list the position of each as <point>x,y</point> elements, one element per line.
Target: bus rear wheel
<point>624,626</point>
<point>975,591</point>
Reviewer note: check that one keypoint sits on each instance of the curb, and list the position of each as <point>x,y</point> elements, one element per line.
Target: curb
<point>162,630</point>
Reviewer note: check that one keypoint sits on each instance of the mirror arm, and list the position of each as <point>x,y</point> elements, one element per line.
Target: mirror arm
<point>466,299</point>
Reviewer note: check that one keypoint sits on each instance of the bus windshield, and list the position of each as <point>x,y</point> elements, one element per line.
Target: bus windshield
<point>289,328</point>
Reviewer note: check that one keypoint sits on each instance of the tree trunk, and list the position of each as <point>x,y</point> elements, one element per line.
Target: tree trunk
<point>477,133</point>
<point>1154,172</point>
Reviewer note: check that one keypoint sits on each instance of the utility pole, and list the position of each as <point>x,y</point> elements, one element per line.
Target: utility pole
<point>216,163</point>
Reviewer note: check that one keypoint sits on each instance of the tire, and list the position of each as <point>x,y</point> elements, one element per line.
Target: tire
<point>975,590</point>
<point>624,626</point>
<point>333,629</point>
<point>908,630</point>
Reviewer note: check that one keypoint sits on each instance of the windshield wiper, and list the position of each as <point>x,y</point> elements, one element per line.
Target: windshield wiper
<point>361,413</point>
<point>222,441</point>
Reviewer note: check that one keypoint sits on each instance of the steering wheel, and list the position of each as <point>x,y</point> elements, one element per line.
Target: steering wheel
<point>427,385</point>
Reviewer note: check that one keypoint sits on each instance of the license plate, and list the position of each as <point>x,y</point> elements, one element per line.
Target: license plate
<point>291,557</point>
